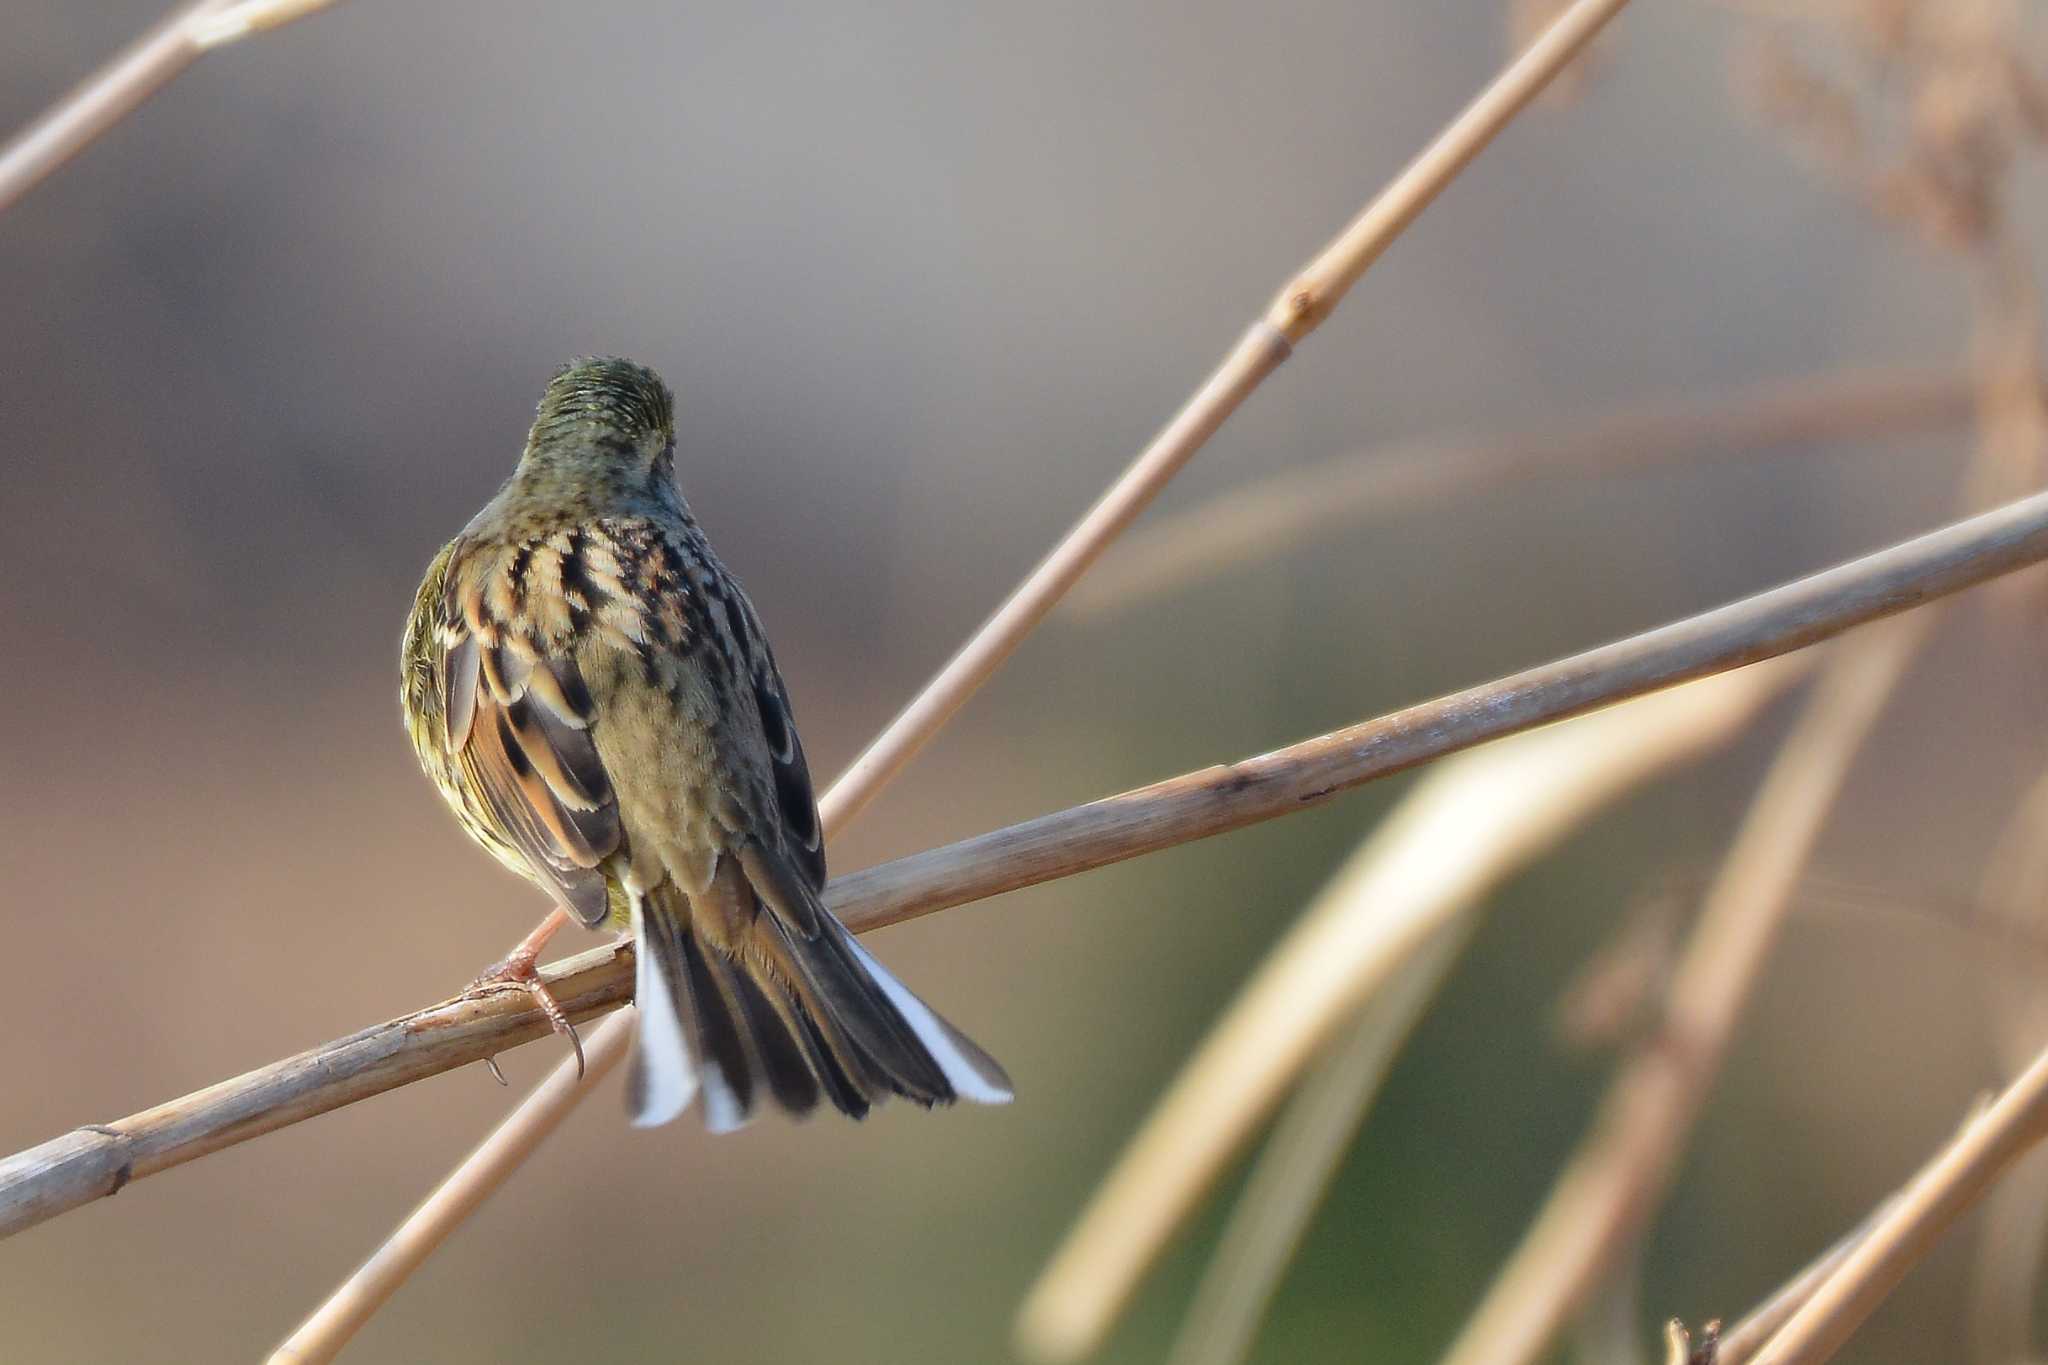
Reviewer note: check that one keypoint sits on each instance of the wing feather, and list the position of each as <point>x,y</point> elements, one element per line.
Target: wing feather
<point>796,803</point>
<point>517,721</point>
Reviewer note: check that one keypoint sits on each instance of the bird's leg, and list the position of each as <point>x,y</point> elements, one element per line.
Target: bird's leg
<point>520,968</point>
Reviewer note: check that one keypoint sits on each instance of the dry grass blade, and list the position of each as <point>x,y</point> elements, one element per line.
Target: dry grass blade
<point>122,85</point>
<point>1281,513</point>
<point>1300,309</point>
<point>1609,1189</point>
<point>1299,1161</point>
<point>1467,826</point>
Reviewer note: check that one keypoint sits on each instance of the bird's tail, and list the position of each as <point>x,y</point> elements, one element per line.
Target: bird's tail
<point>785,1013</point>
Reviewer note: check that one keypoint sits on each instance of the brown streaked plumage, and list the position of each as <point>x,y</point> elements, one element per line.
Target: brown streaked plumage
<point>594,695</point>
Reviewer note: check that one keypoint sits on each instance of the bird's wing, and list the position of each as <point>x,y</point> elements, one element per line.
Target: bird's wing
<point>796,805</point>
<point>517,717</point>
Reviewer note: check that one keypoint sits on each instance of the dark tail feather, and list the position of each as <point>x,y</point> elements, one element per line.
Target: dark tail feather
<point>899,1040</point>
<point>804,1015</point>
<point>784,1059</point>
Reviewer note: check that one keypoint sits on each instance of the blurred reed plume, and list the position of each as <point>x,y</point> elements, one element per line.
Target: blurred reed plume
<point>1919,108</point>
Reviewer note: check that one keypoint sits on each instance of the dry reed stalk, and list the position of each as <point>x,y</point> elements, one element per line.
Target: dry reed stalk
<point>1905,1231</point>
<point>1551,780</point>
<point>1279,514</point>
<point>1608,1190</point>
<point>1970,105</point>
<point>1300,308</point>
<point>237,22</point>
<point>1740,1344</point>
<point>120,87</point>
<point>1456,836</point>
<point>2014,1234</point>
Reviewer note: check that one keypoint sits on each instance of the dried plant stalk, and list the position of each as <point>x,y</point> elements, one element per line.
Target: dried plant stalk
<point>239,21</point>
<point>1610,1187</point>
<point>1301,307</point>
<point>120,87</point>
<point>1278,514</point>
<point>2013,1236</point>
<point>1946,1188</point>
<point>1318,1125</point>
<point>1740,1344</point>
<point>1462,830</point>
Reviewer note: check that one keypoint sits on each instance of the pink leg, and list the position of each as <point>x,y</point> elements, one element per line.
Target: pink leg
<point>518,968</point>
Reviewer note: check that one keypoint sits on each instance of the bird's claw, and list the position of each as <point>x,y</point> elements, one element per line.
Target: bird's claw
<point>520,970</point>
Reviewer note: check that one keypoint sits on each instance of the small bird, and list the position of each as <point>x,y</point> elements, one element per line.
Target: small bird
<point>594,696</point>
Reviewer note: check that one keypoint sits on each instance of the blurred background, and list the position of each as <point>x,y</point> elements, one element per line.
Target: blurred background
<point>924,277</point>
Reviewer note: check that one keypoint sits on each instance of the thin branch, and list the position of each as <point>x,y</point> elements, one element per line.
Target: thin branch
<point>1281,513</point>
<point>1615,1181</point>
<point>237,22</point>
<point>1300,308</point>
<point>1944,1190</point>
<point>1217,799</point>
<point>59,1175</point>
<point>1741,1343</point>
<point>2013,1234</point>
<point>121,86</point>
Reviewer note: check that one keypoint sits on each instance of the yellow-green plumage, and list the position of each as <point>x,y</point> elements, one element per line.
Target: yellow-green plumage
<point>594,696</point>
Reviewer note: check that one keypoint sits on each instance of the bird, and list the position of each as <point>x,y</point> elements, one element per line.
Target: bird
<point>592,693</point>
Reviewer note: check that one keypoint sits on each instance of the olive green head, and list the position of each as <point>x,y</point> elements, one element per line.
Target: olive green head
<point>603,415</point>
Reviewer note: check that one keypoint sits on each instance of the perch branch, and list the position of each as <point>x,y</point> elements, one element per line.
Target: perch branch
<point>96,1161</point>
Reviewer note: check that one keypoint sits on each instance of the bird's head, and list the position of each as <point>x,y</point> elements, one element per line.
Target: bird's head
<point>604,416</point>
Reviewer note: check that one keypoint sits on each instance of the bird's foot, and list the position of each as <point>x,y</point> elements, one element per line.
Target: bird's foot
<point>520,968</point>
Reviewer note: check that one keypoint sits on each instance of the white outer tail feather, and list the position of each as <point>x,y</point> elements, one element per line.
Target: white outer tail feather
<point>668,1075</point>
<point>662,1066</point>
<point>938,1037</point>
